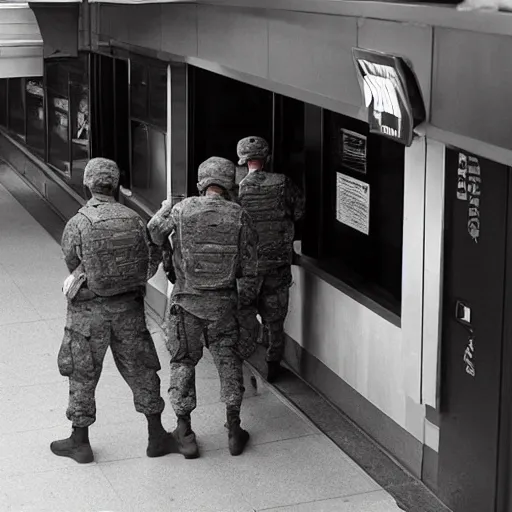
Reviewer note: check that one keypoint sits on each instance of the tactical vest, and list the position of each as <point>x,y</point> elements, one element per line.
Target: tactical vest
<point>208,234</point>
<point>115,252</point>
<point>263,196</point>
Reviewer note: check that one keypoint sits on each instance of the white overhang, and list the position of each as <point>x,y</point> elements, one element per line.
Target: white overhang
<point>21,44</point>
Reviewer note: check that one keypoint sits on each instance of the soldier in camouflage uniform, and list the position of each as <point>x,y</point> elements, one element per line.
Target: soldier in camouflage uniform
<point>108,252</point>
<point>213,243</point>
<point>274,203</point>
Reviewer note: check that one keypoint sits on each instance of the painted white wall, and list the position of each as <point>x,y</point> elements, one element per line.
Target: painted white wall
<point>385,364</point>
<point>358,345</point>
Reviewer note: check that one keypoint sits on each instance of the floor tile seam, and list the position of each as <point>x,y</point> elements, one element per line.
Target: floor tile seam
<point>23,294</point>
<point>377,491</point>
<point>17,474</point>
<point>38,384</point>
<point>26,322</point>
<point>118,495</point>
<point>263,443</point>
<point>101,465</point>
<point>65,423</point>
<point>30,300</point>
<point>33,430</point>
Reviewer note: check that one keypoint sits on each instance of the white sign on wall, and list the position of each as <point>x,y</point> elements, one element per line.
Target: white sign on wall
<point>353,203</point>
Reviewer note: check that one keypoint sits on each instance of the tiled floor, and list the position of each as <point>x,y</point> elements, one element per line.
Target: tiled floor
<point>289,466</point>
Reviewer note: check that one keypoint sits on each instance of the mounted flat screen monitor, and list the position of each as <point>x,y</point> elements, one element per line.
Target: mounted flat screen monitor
<point>391,94</point>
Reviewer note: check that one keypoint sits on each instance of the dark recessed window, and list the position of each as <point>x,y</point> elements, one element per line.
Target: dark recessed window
<point>362,190</point>
<point>35,115</point>
<point>16,106</point>
<point>148,126</point>
<point>68,118</point>
<point>148,163</point>
<point>3,102</point>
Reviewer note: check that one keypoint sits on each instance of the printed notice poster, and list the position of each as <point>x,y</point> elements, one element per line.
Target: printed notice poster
<point>353,203</point>
<point>353,154</point>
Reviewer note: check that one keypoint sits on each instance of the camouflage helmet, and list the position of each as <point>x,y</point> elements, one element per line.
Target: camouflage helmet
<point>216,171</point>
<point>252,148</point>
<point>101,175</point>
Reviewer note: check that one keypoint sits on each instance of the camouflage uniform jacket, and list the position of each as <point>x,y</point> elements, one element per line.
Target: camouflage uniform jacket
<point>204,304</point>
<point>294,205</point>
<point>72,240</point>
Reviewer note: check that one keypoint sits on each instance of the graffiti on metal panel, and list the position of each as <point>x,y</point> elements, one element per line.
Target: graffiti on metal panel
<point>462,189</point>
<point>474,183</point>
<point>469,182</point>
<point>469,355</point>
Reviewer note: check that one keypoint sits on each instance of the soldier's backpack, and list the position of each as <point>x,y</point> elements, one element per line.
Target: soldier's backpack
<point>208,234</point>
<point>115,253</point>
<point>262,195</point>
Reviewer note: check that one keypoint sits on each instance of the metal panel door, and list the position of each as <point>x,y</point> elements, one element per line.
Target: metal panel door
<point>475,243</point>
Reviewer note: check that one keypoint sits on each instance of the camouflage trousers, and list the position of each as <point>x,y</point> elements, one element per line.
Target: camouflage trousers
<point>186,336</point>
<point>91,327</point>
<point>272,290</point>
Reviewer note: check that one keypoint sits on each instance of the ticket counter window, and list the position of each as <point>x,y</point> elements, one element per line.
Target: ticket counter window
<point>354,206</point>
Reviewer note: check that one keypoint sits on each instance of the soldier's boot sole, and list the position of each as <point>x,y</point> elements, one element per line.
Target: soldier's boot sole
<point>81,453</point>
<point>238,439</point>
<point>162,445</point>
<point>187,444</point>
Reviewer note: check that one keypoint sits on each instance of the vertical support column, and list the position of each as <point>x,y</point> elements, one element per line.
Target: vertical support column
<point>412,266</point>
<point>433,274</point>
<point>168,160</point>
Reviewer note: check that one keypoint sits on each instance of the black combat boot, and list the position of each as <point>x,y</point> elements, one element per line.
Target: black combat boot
<point>75,447</point>
<point>237,436</point>
<point>273,371</point>
<point>160,442</point>
<point>186,439</point>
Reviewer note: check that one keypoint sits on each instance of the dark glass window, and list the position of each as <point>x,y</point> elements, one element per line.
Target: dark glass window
<point>223,112</point>
<point>79,95</point>
<point>52,115</point>
<point>58,132</point>
<point>16,106</point>
<point>138,91</point>
<point>363,188</point>
<point>148,163</point>
<point>148,111</point>
<point>3,102</point>
<point>158,97</point>
<point>68,118</point>
<point>35,115</point>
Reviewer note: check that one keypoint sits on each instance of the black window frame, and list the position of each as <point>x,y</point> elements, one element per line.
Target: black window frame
<point>317,255</point>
